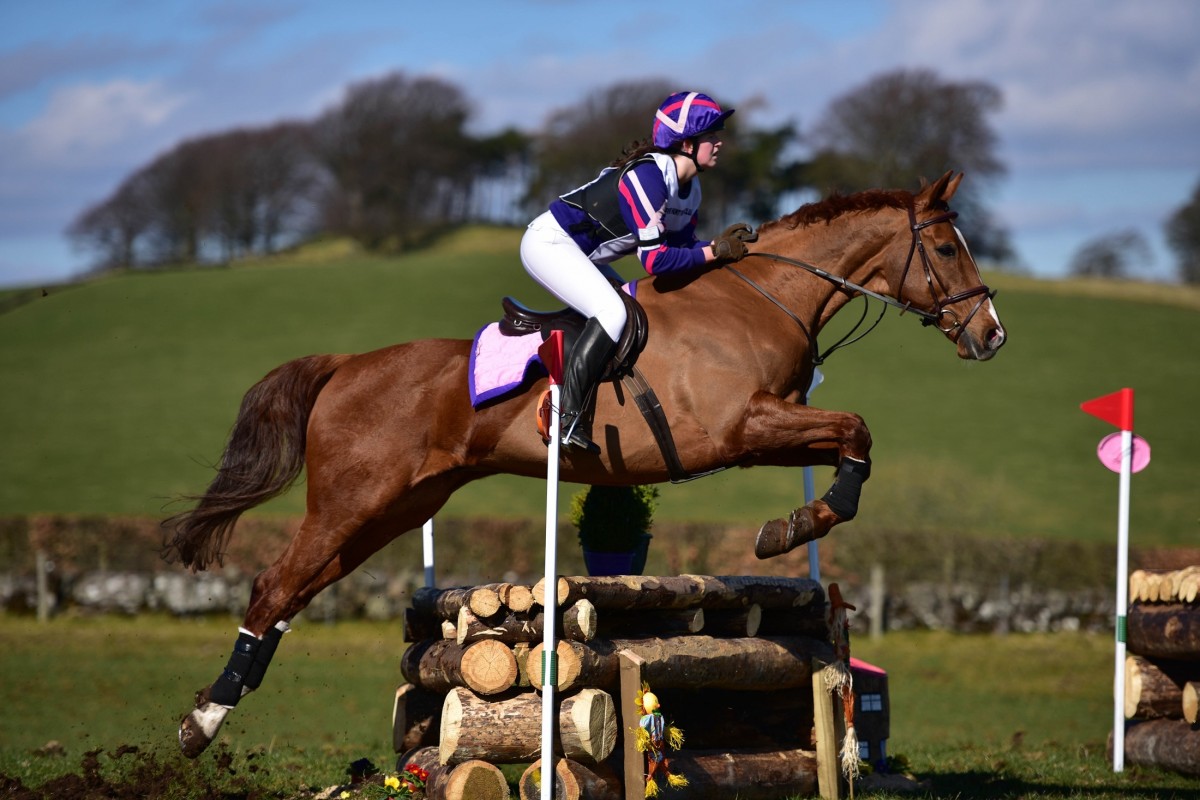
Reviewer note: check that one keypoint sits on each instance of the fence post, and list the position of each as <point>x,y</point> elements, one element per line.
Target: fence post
<point>877,604</point>
<point>43,585</point>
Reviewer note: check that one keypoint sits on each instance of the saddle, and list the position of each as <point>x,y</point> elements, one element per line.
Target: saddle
<point>520,320</point>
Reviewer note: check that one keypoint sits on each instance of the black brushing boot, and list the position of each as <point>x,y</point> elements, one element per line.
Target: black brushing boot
<point>589,355</point>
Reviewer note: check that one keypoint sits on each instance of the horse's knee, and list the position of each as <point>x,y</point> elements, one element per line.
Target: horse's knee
<point>856,441</point>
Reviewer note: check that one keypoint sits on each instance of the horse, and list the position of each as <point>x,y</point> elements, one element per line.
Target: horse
<point>387,436</point>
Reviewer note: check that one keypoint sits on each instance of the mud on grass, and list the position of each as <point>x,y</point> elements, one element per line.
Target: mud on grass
<point>130,772</point>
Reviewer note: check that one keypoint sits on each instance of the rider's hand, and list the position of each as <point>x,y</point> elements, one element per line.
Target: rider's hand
<point>731,245</point>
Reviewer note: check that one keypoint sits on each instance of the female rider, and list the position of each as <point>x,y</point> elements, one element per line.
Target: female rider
<point>646,201</point>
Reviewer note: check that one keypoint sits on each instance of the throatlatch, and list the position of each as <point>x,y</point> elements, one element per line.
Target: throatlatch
<point>843,496</point>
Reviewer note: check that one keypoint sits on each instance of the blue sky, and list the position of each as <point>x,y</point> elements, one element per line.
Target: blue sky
<point>1100,130</point>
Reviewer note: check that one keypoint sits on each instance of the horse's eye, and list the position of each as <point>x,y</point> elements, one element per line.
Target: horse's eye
<point>945,250</point>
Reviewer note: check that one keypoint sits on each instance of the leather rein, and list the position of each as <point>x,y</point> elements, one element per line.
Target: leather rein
<point>935,317</point>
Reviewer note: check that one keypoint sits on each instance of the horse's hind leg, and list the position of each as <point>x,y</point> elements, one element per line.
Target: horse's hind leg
<point>313,560</point>
<point>786,434</point>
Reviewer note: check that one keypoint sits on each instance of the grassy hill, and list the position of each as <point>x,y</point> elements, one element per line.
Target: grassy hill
<point>118,393</point>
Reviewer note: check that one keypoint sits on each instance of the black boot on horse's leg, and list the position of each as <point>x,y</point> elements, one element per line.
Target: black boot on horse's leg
<point>589,355</point>
<point>243,674</point>
<point>806,524</point>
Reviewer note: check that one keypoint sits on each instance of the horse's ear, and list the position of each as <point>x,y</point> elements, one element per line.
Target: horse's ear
<point>941,190</point>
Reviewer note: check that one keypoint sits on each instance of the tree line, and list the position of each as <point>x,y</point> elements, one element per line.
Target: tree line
<point>393,164</point>
<point>1126,252</point>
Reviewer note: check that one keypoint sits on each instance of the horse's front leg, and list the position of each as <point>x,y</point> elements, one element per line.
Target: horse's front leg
<point>776,432</point>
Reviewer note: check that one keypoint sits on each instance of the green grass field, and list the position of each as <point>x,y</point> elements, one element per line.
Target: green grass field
<point>977,716</point>
<point>119,393</point>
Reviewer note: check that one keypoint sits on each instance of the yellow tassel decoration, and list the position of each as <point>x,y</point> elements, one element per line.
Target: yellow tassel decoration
<point>652,789</point>
<point>677,781</point>
<point>674,737</point>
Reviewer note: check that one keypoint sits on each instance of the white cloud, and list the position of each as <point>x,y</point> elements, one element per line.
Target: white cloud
<point>87,117</point>
<point>1084,81</point>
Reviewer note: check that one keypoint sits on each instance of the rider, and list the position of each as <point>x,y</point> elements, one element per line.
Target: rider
<point>646,201</point>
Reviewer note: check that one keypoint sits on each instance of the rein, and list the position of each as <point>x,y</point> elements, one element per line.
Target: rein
<point>934,317</point>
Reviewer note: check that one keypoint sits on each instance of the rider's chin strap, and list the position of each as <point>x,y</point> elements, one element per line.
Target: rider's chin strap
<point>695,140</point>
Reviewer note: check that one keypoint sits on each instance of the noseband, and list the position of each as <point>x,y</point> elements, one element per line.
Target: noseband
<point>940,311</point>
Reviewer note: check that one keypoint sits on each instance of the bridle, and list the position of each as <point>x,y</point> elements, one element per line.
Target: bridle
<point>939,305</point>
<point>935,317</point>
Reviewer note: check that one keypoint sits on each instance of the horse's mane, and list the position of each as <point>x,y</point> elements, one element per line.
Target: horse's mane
<point>837,204</point>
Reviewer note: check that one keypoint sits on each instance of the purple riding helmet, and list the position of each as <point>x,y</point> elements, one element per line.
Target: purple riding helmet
<point>686,115</point>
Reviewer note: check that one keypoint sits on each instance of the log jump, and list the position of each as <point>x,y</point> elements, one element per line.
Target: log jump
<point>1162,670</point>
<point>473,675</point>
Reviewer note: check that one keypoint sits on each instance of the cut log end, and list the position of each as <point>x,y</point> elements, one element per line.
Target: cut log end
<point>476,780</point>
<point>1191,701</point>
<point>489,667</point>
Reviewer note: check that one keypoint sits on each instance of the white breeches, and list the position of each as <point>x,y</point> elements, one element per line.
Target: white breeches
<point>552,258</point>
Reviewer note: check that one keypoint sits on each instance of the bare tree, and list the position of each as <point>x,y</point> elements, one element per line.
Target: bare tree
<point>1113,255</point>
<point>908,124</point>
<point>114,227</point>
<point>754,172</point>
<point>577,141</point>
<point>399,159</point>
<point>504,168</point>
<point>1183,235</point>
<point>229,194</point>
<point>264,184</point>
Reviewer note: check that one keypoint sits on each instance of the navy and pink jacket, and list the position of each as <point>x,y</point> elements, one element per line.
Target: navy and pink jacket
<point>636,208</point>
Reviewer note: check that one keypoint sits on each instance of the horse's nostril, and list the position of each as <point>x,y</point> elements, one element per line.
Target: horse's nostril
<point>995,339</point>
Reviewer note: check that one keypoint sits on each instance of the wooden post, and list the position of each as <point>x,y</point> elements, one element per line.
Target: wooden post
<point>631,684</point>
<point>877,589</point>
<point>43,585</point>
<point>829,729</point>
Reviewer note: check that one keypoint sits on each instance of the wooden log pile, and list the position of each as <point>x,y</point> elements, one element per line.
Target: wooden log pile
<point>732,659</point>
<point>1162,670</point>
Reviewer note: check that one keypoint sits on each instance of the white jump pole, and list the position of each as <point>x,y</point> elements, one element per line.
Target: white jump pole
<point>551,352</point>
<point>1117,409</point>
<point>1122,601</point>
<point>427,550</point>
<point>810,491</point>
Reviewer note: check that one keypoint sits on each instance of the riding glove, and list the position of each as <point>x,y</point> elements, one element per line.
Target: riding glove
<point>730,246</point>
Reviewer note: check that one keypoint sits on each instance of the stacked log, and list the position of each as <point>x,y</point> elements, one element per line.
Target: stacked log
<point>1162,670</point>
<point>731,659</point>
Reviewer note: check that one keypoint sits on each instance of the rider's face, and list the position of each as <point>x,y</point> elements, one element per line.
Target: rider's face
<point>707,149</point>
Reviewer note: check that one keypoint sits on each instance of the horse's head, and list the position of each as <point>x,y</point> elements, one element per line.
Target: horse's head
<point>940,278</point>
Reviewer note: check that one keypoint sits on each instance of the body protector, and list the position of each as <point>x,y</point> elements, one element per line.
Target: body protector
<point>637,208</point>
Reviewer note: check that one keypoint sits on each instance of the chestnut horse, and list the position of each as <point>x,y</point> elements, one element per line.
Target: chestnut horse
<point>387,436</point>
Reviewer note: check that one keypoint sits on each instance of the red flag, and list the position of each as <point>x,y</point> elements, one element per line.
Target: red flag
<point>1115,409</point>
<point>551,353</point>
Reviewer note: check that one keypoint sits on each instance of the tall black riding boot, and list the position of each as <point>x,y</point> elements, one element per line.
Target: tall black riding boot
<point>591,352</point>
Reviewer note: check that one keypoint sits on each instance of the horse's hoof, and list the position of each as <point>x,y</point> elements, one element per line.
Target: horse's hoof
<point>192,740</point>
<point>780,536</point>
<point>199,726</point>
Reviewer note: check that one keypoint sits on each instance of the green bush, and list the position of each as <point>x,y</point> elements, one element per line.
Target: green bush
<point>613,519</point>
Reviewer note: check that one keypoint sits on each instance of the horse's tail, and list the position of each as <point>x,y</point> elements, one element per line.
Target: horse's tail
<point>264,456</point>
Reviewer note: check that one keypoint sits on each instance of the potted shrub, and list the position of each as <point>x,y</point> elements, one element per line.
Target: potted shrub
<point>614,527</point>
